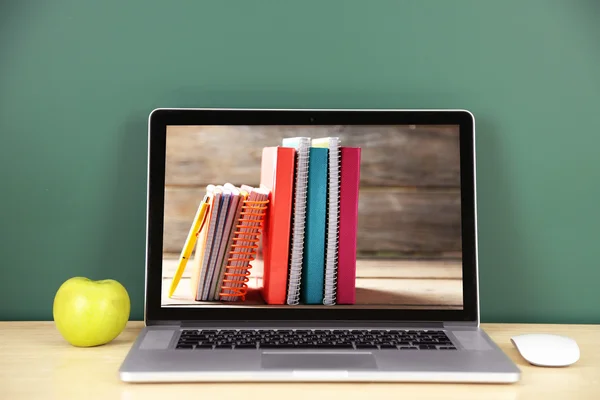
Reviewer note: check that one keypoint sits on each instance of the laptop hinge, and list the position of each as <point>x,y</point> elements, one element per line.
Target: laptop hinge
<point>163,323</point>
<point>461,324</point>
<point>313,324</point>
<point>350,324</point>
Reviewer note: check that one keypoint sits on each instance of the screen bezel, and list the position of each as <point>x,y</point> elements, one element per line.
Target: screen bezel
<point>158,121</point>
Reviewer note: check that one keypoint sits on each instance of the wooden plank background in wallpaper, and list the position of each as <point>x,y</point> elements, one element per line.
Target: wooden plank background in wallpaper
<point>409,203</point>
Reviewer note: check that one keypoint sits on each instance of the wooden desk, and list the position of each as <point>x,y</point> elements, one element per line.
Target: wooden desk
<point>36,363</point>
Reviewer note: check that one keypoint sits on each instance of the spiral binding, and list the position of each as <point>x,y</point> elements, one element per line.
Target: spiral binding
<point>333,218</point>
<point>243,250</point>
<point>298,222</point>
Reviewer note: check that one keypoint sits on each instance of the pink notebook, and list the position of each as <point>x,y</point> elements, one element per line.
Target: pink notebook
<point>349,187</point>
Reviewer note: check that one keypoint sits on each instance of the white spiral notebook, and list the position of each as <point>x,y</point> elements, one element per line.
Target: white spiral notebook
<point>333,217</point>
<point>302,146</point>
<point>217,191</point>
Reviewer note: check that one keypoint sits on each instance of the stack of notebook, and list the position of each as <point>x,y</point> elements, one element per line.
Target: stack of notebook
<point>306,210</point>
<point>309,241</point>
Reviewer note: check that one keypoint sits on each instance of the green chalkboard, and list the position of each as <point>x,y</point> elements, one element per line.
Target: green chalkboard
<point>78,79</point>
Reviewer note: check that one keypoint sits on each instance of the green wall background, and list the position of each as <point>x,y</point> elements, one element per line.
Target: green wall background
<point>78,79</point>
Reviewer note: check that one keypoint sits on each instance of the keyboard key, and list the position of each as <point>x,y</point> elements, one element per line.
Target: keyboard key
<point>203,336</point>
<point>246,346</point>
<point>426,347</point>
<point>343,345</point>
<point>334,346</point>
<point>188,340</point>
<point>278,346</point>
<point>387,346</point>
<point>204,346</point>
<point>184,346</point>
<point>304,346</point>
<point>366,346</point>
<point>223,346</point>
<point>408,348</point>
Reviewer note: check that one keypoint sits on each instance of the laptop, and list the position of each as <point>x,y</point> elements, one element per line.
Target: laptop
<point>362,265</point>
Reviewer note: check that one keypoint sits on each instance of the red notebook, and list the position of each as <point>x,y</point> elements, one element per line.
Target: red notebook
<point>349,187</point>
<point>277,175</point>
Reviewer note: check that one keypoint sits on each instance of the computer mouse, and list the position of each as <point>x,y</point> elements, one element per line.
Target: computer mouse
<point>547,350</point>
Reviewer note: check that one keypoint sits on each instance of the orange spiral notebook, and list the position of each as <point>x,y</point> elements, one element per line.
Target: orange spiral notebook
<point>244,245</point>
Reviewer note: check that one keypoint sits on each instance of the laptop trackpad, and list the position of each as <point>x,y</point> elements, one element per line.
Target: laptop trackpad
<point>318,361</point>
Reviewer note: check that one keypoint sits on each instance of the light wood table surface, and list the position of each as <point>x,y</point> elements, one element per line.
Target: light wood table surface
<point>36,363</point>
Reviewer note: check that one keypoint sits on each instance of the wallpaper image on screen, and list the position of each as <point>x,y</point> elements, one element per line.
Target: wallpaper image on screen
<point>313,217</point>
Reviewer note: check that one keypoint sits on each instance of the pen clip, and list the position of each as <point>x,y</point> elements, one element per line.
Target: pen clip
<point>203,219</point>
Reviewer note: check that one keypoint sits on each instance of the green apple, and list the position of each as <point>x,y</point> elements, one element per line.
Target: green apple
<point>91,313</point>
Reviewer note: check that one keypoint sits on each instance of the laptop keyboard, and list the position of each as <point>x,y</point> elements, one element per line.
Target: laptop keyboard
<point>315,339</point>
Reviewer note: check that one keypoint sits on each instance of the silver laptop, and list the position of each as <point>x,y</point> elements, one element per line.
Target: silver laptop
<point>362,265</point>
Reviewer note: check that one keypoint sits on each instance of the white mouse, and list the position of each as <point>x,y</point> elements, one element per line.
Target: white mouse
<point>545,350</point>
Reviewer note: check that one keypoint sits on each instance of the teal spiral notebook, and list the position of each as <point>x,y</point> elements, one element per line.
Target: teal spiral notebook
<point>313,261</point>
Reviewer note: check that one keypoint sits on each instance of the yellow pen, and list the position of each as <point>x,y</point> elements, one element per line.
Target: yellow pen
<point>190,242</point>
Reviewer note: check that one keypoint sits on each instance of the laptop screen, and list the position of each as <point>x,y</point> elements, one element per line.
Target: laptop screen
<point>285,216</point>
